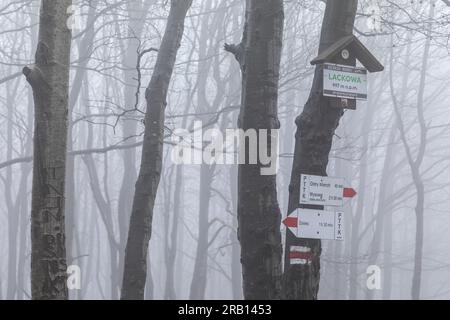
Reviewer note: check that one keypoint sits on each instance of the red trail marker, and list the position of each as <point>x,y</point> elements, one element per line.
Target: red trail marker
<point>349,192</point>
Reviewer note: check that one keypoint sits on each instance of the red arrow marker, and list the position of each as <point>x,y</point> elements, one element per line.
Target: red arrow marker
<point>349,192</point>
<point>290,222</point>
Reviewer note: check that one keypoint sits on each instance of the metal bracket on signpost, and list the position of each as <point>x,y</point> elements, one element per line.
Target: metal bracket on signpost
<point>343,103</point>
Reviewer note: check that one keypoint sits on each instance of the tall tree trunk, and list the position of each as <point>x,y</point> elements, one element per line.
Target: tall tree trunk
<point>170,236</point>
<point>24,206</point>
<point>416,161</point>
<point>356,222</point>
<point>137,12</point>
<point>206,49</point>
<point>12,206</point>
<point>385,188</point>
<point>85,51</point>
<point>49,78</point>
<point>170,291</point>
<point>104,207</point>
<point>236,268</point>
<point>198,284</point>
<point>135,268</point>
<point>388,228</point>
<point>415,165</point>
<point>259,217</point>
<point>315,130</point>
<point>362,186</point>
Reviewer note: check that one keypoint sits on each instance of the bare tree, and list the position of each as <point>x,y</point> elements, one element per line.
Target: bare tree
<point>415,161</point>
<point>315,130</point>
<point>137,12</point>
<point>49,78</point>
<point>135,268</point>
<point>259,218</point>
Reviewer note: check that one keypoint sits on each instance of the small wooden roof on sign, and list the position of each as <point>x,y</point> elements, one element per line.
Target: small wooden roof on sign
<point>352,43</point>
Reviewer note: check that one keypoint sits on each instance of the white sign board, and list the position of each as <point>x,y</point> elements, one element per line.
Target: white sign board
<point>317,224</point>
<point>318,190</point>
<point>344,82</point>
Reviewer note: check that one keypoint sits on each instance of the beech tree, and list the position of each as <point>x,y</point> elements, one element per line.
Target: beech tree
<point>135,268</point>
<point>49,79</point>
<point>259,218</point>
<point>316,127</point>
<point>415,161</point>
<point>393,150</point>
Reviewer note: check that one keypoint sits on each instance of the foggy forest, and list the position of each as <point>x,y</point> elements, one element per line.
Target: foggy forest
<point>224,150</point>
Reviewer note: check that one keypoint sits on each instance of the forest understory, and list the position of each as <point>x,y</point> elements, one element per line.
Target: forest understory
<point>224,150</point>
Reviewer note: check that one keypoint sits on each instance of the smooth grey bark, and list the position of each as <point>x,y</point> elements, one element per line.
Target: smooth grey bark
<point>259,218</point>
<point>49,79</point>
<point>137,12</point>
<point>315,130</point>
<point>135,268</point>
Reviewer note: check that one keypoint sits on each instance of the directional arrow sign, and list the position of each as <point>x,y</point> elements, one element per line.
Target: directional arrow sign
<point>316,224</point>
<point>325,191</point>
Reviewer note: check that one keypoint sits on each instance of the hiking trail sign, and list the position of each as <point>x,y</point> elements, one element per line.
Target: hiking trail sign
<point>346,82</point>
<point>324,191</point>
<point>316,224</point>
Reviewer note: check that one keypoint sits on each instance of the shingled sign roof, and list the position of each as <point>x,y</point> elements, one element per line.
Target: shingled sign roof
<point>352,43</point>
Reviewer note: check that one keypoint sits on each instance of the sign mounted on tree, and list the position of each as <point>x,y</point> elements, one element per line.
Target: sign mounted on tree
<point>316,224</point>
<point>343,83</point>
<point>324,191</point>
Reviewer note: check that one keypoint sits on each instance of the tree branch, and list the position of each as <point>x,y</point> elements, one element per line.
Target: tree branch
<point>10,77</point>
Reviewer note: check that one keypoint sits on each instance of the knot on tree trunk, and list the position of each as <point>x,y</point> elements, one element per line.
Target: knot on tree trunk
<point>237,51</point>
<point>35,78</point>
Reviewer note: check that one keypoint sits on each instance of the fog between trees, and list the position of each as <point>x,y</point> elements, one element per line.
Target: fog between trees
<point>137,225</point>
